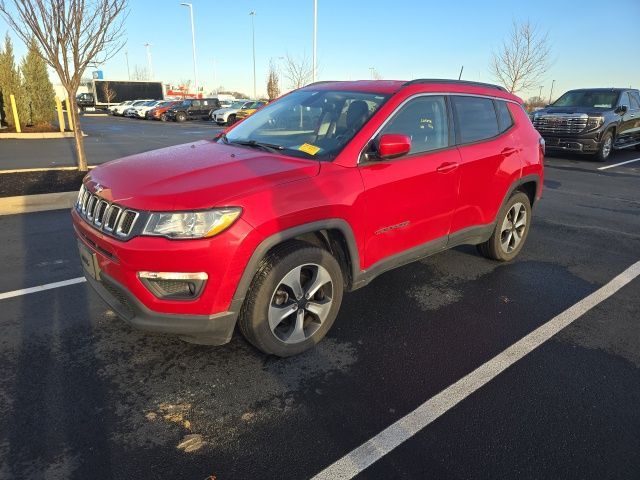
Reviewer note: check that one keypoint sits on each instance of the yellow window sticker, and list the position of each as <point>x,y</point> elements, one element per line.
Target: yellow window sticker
<point>308,148</point>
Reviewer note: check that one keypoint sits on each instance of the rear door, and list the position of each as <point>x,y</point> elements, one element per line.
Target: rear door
<point>195,109</point>
<point>409,200</point>
<point>489,160</point>
<point>629,129</point>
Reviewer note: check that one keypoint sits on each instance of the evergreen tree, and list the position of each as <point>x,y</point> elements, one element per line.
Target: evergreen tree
<point>9,81</point>
<point>38,90</point>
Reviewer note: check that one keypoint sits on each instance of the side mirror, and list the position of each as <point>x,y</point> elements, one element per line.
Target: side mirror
<point>622,109</point>
<point>393,145</point>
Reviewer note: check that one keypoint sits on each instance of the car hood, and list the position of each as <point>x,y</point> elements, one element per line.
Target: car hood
<point>572,110</point>
<point>226,110</point>
<point>196,175</point>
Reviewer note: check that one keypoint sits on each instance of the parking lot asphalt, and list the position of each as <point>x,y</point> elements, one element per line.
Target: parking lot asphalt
<point>82,395</point>
<point>107,138</point>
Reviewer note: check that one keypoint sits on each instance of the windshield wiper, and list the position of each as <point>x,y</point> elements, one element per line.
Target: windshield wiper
<point>256,144</point>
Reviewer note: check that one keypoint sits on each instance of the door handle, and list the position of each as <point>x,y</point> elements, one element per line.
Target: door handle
<point>447,167</point>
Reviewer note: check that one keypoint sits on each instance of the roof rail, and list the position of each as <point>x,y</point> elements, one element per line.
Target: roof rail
<point>321,82</point>
<point>459,82</point>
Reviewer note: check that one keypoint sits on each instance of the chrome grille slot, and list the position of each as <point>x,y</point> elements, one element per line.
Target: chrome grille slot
<point>100,211</point>
<point>105,216</point>
<point>91,205</point>
<point>125,224</point>
<point>112,218</point>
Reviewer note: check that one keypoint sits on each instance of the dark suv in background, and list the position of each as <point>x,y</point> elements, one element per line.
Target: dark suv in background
<point>193,109</point>
<point>592,121</point>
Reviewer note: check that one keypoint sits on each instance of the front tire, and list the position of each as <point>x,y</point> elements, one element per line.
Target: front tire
<point>181,117</point>
<point>231,119</point>
<point>606,146</point>
<point>293,299</point>
<point>511,231</point>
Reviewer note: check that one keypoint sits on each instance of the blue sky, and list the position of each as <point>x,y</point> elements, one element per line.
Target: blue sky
<point>402,39</point>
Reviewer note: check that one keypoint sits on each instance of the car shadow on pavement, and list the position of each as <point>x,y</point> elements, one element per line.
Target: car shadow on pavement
<point>59,421</point>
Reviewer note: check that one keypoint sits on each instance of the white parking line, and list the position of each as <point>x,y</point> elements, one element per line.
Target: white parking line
<point>618,164</point>
<point>41,288</point>
<point>374,449</point>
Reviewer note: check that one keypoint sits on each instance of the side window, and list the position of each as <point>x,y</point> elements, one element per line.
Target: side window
<point>195,104</point>
<point>635,100</point>
<point>476,118</point>
<point>504,116</point>
<point>424,120</point>
<point>624,99</point>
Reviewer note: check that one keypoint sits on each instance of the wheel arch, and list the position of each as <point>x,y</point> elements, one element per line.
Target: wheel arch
<point>334,234</point>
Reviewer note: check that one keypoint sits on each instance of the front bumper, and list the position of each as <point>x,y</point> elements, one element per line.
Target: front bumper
<point>209,318</point>
<point>202,329</point>
<point>588,143</point>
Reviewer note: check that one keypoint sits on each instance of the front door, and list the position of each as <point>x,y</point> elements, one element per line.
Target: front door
<point>409,201</point>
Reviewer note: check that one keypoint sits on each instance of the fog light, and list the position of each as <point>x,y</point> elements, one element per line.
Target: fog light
<point>174,285</point>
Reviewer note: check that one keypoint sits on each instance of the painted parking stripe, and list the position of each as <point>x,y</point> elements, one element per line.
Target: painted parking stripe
<point>41,288</point>
<point>618,164</point>
<point>374,449</point>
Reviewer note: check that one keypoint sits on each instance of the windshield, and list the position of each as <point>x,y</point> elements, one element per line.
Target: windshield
<point>308,123</point>
<point>237,104</point>
<point>587,99</point>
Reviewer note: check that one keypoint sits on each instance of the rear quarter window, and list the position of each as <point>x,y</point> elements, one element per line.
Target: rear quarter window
<point>504,116</point>
<point>476,118</point>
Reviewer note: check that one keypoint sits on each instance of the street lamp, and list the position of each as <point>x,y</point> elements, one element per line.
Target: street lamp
<point>252,14</point>
<point>551,93</point>
<point>126,55</point>
<point>193,44</point>
<point>315,32</point>
<point>149,63</point>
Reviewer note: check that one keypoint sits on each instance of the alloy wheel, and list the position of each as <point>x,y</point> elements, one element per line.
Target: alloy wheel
<point>300,303</point>
<point>513,227</point>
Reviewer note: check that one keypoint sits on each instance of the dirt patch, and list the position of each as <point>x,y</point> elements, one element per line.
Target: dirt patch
<point>32,129</point>
<point>31,183</point>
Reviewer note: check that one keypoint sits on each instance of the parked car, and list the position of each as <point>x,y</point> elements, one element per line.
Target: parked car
<point>159,111</point>
<point>592,121</point>
<point>130,110</point>
<point>314,195</point>
<point>120,108</point>
<point>141,111</point>
<point>249,110</point>
<point>191,109</point>
<point>227,116</point>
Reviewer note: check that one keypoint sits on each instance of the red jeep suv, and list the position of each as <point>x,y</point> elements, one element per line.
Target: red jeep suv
<point>316,194</point>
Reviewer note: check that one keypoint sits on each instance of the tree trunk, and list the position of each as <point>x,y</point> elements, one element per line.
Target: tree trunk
<point>77,134</point>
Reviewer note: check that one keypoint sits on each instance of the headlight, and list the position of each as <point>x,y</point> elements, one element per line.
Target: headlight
<point>183,225</point>
<point>594,122</point>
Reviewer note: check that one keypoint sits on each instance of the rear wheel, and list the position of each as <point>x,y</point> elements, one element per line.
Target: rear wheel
<point>606,145</point>
<point>511,230</point>
<point>293,300</point>
<point>163,117</point>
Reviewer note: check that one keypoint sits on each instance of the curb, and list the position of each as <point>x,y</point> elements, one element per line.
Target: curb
<point>43,169</point>
<point>38,136</point>
<point>37,203</point>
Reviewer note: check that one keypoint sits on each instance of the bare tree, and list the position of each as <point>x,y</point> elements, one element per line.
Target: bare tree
<point>273,82</point>
<point>109,93</point>
<point>523,59</point>
<point>297,70</point>
<point>140,73</point>
<point>72,34</point>
<point>375,74</point>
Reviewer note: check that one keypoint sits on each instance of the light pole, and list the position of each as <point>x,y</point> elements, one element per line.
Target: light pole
<point>315,33</point>
<point>252,14</point>
<point>149,63</point>
<point>540,94</point>
<point>126,55</point>
<point>193,45</point>
<point>215,80</point>
<point>371,70</point>
<point>551,93</point>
